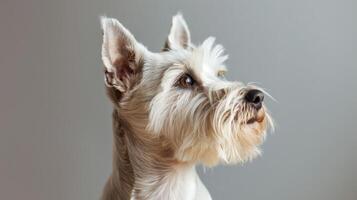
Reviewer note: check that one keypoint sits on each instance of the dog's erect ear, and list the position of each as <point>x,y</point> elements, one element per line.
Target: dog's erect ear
<point>179,36</point>
<point>121,54</point>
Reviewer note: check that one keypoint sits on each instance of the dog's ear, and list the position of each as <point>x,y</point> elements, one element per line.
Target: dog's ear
<point>121,55</point>
<point>179,36</point>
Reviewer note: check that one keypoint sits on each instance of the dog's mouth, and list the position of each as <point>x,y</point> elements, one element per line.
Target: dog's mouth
<point>259,117</point>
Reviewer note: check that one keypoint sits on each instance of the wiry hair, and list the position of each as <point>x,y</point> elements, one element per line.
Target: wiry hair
<point>208,124</point>
<point>212,54</point>
<point>163,125</point>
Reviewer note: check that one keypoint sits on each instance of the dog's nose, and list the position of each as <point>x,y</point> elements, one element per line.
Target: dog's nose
<point>255,98</point>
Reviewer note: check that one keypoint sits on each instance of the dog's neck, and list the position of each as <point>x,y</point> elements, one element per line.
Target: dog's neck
<point>144,168</point>
<point>120,183</point>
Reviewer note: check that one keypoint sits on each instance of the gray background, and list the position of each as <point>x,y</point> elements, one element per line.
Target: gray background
<point>55,120</point>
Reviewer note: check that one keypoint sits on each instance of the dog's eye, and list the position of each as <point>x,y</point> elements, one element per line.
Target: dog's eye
<point>185,81</point>
<point>221,74</point>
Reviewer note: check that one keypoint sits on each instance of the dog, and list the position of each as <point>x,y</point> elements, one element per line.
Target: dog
<point>173,110</point>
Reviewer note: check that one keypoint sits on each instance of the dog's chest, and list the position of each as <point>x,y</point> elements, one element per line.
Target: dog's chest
<point>185,185</point>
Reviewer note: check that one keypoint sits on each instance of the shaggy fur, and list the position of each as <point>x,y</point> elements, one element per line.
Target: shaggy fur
<point>172,110</point>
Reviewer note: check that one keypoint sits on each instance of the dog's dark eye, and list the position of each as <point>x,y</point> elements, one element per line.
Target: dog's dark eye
<point>221,74</point>
<point>185,81</point>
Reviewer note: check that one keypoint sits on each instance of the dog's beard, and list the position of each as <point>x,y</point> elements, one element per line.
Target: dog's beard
<point>204,129</point>
<point>239,128</point>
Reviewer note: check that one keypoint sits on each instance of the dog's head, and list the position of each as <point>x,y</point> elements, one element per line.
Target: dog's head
<point>181,96</point>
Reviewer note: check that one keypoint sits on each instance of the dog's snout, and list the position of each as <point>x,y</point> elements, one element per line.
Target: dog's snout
<point>255,98</point>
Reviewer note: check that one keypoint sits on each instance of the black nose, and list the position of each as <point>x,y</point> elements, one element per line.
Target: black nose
<point>255,98</point>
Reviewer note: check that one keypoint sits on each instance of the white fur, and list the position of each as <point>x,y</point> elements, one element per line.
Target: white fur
<point>206,124</point>
<point>182,184</point>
